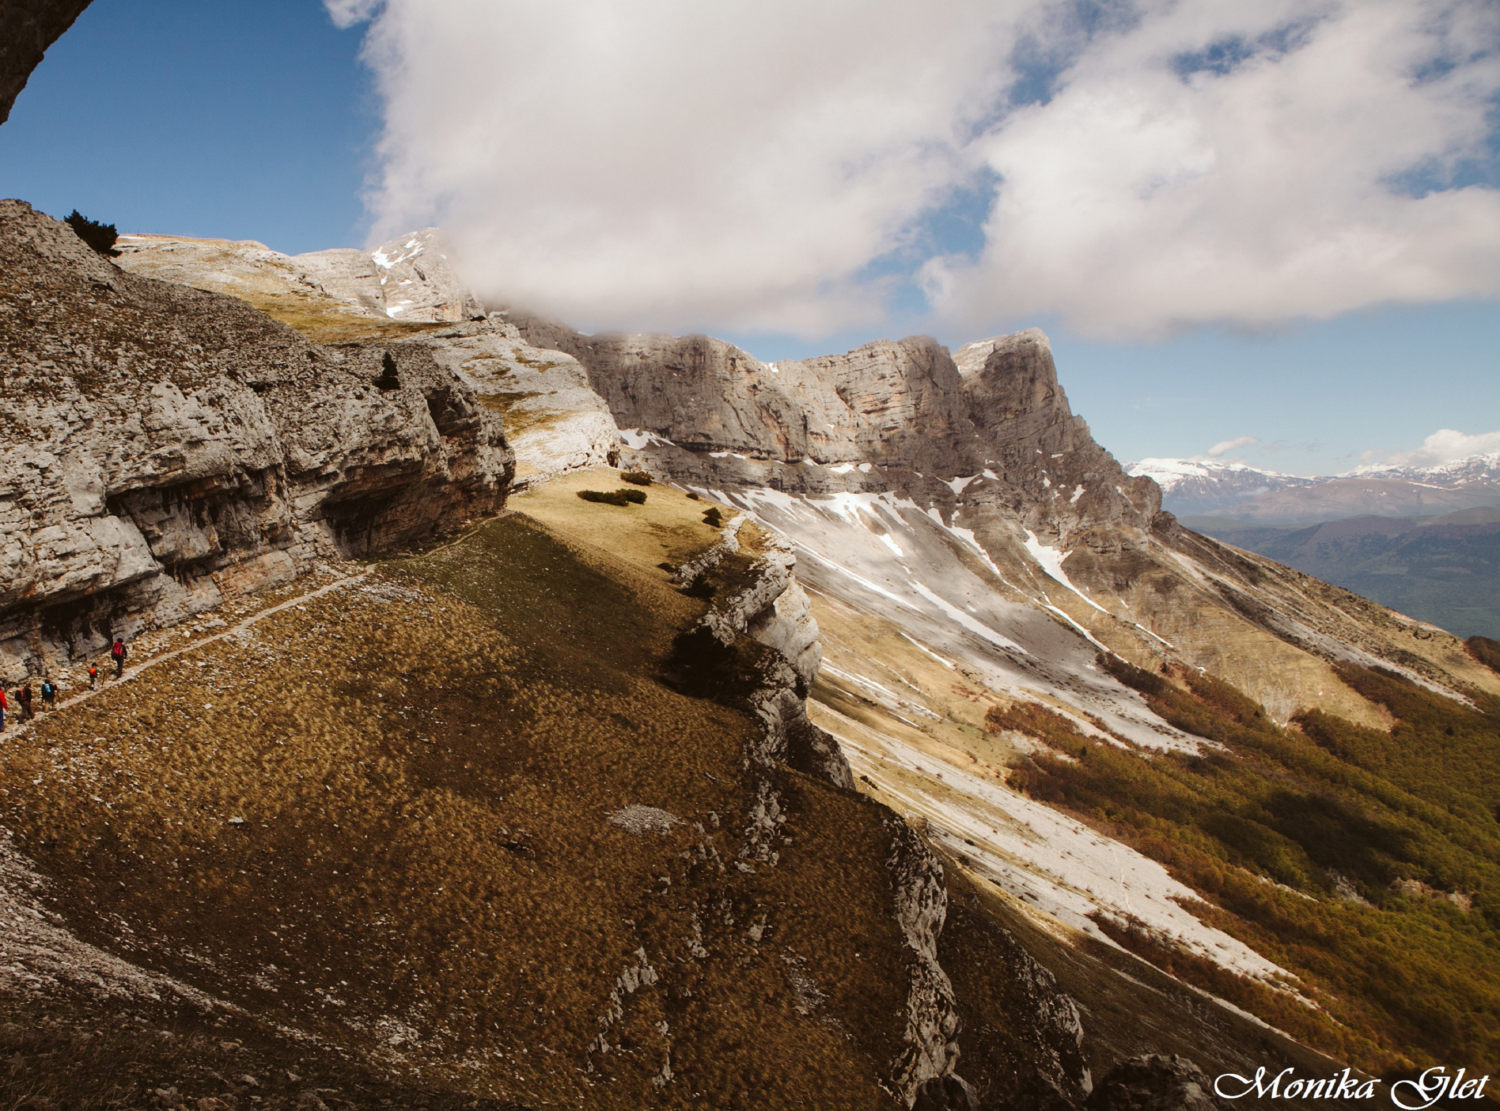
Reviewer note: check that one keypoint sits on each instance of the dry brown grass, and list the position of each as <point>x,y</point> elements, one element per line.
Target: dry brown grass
<point>425,765</point>
<point>669,528</point>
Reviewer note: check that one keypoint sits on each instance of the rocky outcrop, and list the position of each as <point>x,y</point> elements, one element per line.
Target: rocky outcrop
<point>27,29</point>
<point>1154,1083</point>
<point>168,448</point>
<point>771,608</point>
<point>554,422</point>
<point>925,1068</point>
<point>408,279</point>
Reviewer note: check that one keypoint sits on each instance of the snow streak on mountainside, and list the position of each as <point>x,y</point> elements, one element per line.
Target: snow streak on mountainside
<point>947,618</point>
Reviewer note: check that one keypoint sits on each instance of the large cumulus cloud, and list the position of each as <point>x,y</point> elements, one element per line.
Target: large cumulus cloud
<point>774,166</point>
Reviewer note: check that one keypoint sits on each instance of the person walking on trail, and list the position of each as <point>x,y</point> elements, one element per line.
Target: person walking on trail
<point>4,705</point>
<point>117,653</point>
<point>49,695</point>
<point>23,697</point>
<point>93,677</point>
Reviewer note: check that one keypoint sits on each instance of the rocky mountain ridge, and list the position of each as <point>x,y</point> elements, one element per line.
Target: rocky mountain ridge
<point>1006,472</point>
<point>964,512</point>
<point>980,576</point>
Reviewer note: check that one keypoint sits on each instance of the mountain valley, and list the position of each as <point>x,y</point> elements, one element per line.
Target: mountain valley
<point>519,718</point>
<point>966,600</point>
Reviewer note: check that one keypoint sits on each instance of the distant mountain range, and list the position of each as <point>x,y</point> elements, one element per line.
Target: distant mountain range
<point>1422,540</point>
<point>1441,569</point>
<point>1209,488</point>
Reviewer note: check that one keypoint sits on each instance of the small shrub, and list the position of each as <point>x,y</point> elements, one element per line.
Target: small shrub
<point>693,497</point>
<point>712,516</point>
<point>639,478</point>
<point>614,497</point>
<point>101,237</point>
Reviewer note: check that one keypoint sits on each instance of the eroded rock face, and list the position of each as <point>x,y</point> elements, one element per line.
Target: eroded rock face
<point>554,421</point>
<point>166,448</point>
<point>925,1068</point>
<point>890,416</point>
<point>27,29</point>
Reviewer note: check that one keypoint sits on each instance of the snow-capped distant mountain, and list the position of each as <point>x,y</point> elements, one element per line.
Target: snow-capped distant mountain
<point>1458,473</point>
<point>1210,488</point>
<point>1190,487</point>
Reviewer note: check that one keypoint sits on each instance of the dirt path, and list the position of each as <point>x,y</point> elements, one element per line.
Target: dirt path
<point>233,630</point>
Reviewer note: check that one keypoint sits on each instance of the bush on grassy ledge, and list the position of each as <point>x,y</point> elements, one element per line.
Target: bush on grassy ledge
<point>614,497</point>
<point>639,478</point>
<point>712,516</point>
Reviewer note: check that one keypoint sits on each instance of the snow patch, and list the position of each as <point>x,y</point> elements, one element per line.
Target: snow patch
<point>638,438</point>
<point>973,625</point>
<point>1049,861</point>
<point>1052,562</point>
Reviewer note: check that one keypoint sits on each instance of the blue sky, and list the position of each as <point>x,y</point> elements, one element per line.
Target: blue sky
<point>258,121</point>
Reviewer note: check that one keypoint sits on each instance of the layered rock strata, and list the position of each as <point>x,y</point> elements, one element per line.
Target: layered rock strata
<point>985,442</point>
<point>169,448</point>
<point>771,608</point>
<point>888,416</point>
<point>553,420</point>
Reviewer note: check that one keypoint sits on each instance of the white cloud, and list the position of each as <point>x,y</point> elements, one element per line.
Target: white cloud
<point>1444,446</point>
<point>346,13</point>
<point>740,166</point>
<point>1224,447</point>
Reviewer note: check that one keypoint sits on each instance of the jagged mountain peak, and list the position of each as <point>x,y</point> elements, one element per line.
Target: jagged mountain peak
<point>971,357</point>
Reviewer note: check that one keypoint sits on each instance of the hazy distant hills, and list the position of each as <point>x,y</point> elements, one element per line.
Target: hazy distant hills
<point>1210,488</point>
<point>1443,569</point>
<point>1422,540</point>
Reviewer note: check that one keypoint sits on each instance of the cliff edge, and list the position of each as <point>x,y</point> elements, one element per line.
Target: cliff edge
<point>171,447</point>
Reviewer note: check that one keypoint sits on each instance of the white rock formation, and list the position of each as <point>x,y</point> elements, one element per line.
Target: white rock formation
<point>407,279</point>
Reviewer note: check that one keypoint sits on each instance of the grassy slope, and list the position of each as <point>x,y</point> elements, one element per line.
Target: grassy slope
<point>426,874</point>
<point>1266,828</point>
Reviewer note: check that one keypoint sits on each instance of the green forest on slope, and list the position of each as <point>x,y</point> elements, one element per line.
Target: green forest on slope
<point>1365,862</point>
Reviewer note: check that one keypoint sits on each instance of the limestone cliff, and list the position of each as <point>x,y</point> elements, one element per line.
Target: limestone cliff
<point>168,447</point>
<point>985,443</point>
<point>885,417</point>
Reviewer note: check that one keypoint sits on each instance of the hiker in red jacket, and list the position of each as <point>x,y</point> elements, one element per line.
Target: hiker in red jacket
<point>4,705</point>
<point>117,653</point>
